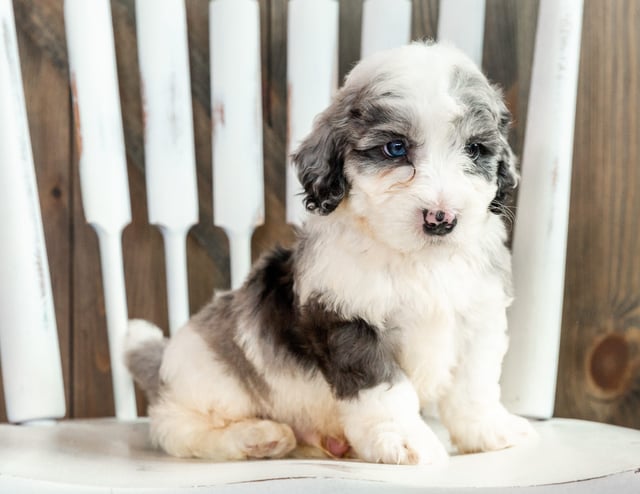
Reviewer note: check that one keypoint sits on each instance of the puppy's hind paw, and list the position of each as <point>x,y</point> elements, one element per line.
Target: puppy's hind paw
<point>268,439</point>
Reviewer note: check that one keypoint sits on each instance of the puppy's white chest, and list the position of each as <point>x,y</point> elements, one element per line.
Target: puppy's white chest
<point>428,324</point>
<point>436,290</point>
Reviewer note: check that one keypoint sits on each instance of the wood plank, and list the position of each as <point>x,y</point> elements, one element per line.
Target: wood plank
<point>424,19</point>
<point>510,27</point>
<point>41,22</point>
<point>349,36</point>
<point>274,75</point>
<point>92,392</point>
<point>49,127</point>
<point>600,350</point>
<point>207,247</point>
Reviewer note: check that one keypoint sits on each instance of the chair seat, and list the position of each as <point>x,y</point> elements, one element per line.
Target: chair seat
<point>105,455</point>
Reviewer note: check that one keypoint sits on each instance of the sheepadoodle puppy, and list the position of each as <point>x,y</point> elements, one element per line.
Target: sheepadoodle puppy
<point>393,298</point>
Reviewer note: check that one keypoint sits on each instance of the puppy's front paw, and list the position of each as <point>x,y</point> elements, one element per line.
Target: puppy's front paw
<point>489,431</point>
<point>399,443</point>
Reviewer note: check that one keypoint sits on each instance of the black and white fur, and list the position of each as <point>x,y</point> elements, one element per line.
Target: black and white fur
<point>374,314</point>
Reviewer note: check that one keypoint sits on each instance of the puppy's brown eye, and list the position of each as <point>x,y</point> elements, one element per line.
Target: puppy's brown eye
<point>395,149</point>
<point>474,150</point>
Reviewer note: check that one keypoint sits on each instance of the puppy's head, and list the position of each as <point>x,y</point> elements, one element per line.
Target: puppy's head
<point>415,144</point>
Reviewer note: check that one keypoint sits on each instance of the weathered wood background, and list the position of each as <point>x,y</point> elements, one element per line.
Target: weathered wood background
<point>600,356</point>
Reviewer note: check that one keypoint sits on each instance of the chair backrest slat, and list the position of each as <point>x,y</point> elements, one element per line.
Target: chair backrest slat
<point>312,79</point>
<point>461,22</point>
<point>30,352</point>
<point>236,114</point>
<point>103,167</point>
<point>385,24</point>
<point>540,234</point>
<point>170,166</point>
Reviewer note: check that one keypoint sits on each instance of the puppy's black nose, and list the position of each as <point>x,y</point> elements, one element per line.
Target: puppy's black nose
<point>439,222</point>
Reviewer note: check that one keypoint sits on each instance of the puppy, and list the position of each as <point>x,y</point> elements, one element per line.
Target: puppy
<point>393,299</point>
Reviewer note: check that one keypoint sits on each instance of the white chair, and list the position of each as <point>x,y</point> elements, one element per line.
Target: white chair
<point>114,455</point>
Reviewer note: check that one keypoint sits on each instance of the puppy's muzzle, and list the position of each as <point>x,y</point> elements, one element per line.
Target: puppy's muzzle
<point>438,222</point>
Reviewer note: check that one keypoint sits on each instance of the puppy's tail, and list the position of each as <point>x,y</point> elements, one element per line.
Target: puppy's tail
<point>143,351</point>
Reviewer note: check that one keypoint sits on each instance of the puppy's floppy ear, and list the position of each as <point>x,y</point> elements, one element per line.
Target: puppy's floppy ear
<point>319,161</point>
<point>507,177</point>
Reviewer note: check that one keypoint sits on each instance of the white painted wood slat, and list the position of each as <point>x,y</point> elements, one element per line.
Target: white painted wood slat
<point>461,22</point>
<point>29,348</point>
<point>170,168</point>
<point>540,234</point>
<point>236,114</point>
<point>103,166</point>
<point>312,77</point>
<point>385,24</point>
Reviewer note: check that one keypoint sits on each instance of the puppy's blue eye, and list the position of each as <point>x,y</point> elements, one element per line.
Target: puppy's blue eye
<point>394,149</point>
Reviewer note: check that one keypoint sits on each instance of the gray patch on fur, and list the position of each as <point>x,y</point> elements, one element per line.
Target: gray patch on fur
<point>217,324</point>
<point>144,363</point>
<point>378,121</point>
<point>361,118</point>
<point>351,354</point>
<point>480,122</point>
<point>486,121</point>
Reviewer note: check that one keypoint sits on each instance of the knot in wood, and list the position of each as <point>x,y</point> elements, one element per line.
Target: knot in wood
<point>609,364</point>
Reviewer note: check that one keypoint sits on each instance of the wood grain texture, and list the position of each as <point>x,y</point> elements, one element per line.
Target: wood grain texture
<point>207,248</point>
<point>510,28</point>
<point>349,36</point>
<point>205,271</point>
<point>600,356</point>
<point>600,351</point>
<point>273,28</point>
<point>424,19</point>
<point>48,106</point>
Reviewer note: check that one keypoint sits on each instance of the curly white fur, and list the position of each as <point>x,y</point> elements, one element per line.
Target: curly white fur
<point>384,316</point>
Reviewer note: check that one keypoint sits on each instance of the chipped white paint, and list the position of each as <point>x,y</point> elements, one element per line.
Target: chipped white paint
<point>236,114</point>
<point>103,166</point>
<point>540,235</point>
<point>30,353</point>
<point>385,24</point>
<point>170,167</point>
<point>312,76</point>
<point>461,22</point>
